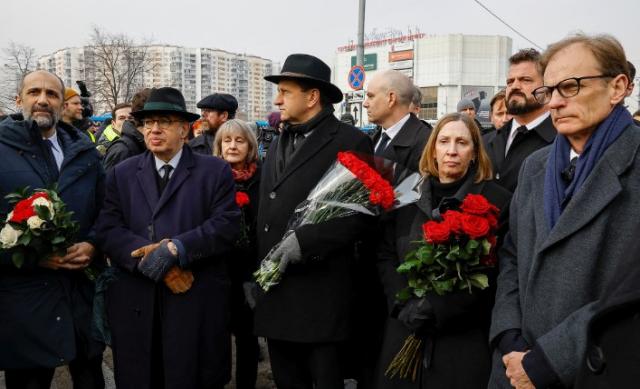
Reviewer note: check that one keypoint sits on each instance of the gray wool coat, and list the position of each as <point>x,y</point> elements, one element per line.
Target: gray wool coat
<point>550,280</point>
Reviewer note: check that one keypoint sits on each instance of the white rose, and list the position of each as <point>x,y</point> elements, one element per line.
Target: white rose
<point>43,202</point>
<point>35,223</point>
<point>9,236</point>
<point>9,216</point>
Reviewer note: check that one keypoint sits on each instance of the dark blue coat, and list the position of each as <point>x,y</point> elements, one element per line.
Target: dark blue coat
<point>37,305</point>
<point>198,208</point>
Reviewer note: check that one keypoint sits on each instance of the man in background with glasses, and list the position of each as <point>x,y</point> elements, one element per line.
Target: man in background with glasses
<point>574,215</point>
<point>529,130</point>
<point>168,307</point>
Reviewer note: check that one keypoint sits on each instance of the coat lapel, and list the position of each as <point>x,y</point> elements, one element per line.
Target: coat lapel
<point>147,180</point>
<point>499,144</point>
<point>311,146</point>
<point>601,188</point>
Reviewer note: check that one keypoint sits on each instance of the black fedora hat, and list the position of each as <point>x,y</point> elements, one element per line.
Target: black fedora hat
<point>307,67</point>
<point>165,100</point>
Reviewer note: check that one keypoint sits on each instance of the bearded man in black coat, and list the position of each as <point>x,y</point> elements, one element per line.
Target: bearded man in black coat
<point>306,317</point>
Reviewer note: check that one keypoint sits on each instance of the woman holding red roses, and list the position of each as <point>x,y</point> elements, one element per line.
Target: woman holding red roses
<point>236,143</point>
<point>453,326</point>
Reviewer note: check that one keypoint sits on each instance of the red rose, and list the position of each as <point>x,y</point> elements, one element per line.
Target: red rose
<point>477,205</point>
<point>23,210</point>
<point>435,232</point>
<point>493,220</point>
<point>454,218</point>
<point>242,199</point>
<point>475,226</point>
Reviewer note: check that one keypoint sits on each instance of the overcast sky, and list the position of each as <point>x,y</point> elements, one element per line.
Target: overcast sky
<point>272,29</point>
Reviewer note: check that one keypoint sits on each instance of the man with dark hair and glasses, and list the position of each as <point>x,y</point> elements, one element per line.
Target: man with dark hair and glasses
<point>530,128</point>
<point>168,306</point>
<point>574,214</point>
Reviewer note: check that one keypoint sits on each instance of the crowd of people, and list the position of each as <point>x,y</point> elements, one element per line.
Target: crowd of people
<point>177,209</point>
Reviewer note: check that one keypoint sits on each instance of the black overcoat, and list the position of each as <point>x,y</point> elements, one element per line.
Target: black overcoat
<point>311,304</point>
<point>460,356</point>
<point>197,208</point>
<point>506,168</point>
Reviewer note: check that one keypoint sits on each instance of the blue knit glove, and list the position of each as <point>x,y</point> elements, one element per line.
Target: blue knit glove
<point>156,261</point>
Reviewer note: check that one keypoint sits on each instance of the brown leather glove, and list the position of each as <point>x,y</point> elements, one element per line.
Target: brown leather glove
<point>143,251</point>
<point>178,280</point>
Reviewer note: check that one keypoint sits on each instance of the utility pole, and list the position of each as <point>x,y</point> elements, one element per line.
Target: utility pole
<point>360,47</point>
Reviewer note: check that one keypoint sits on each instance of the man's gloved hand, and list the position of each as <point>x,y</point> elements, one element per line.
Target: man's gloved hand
<point>288,252</point>
<point>178,280</point>
<point>250,293</point>
<point>416,314</point>
<point>157,259</point>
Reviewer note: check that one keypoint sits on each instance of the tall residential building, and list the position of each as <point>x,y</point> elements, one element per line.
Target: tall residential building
<point>446,68</point>
<point>197,72</point>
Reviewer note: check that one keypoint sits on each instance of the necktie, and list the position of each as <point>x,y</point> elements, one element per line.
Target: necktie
<point>520,131</point>
<point>52,165</point>
<point>384,141</point>
<point>164,179</point>
<point>570,170</point>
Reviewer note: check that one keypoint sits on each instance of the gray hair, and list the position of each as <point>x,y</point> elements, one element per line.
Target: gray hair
<point>394,81</point>
<point>241,127</point>
<point>417,96</point>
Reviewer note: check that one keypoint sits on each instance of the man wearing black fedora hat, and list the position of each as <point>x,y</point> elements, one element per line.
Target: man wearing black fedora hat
<point>216,110</point>
<point>168,307</point>
<point>306,317</point>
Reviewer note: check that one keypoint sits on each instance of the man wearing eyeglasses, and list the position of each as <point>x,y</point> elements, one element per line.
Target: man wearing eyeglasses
<point>168,307</point>
<point>574,216</point>
<point>531,127</point>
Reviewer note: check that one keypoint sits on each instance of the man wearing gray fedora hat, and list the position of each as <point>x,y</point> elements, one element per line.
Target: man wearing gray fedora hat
<point>168,307</point>
<point>306,317</point>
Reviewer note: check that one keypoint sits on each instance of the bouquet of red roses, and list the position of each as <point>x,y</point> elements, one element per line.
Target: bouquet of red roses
<point>454,254</point>
<point>350,186</point>
<point>38,226</point>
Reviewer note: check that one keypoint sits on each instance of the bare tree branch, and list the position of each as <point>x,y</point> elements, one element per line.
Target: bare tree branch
<point>17,61</point>
<point>115,66</point>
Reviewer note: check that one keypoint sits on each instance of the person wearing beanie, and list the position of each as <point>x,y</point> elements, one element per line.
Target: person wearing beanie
<point>72,109</point>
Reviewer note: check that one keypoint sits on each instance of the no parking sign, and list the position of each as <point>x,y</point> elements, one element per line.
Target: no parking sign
<point>356,77</point>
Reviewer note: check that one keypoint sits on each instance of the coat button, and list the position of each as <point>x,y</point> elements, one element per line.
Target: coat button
<point>272,195</point>
<point>266,228</point>
<point>595,359</point>
<point>497,176</point>
<point>58,318</point>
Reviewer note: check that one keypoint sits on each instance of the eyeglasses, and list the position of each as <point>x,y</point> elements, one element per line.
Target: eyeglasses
<point>163,123</point>
<point>566,88</point>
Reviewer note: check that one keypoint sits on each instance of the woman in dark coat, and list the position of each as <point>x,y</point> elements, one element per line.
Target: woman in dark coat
<point>454,326</point>
<point>236,143</point>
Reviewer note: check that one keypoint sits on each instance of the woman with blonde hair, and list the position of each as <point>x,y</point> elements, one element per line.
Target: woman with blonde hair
<point>236,143</point>
<point>455,352</point>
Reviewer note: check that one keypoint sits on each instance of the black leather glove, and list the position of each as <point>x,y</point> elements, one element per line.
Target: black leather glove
<point>159,261</point>
<point>416,314</point>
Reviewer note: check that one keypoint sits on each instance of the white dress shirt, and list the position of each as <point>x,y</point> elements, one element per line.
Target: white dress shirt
<point>56,149</point>
<point>173,162</point>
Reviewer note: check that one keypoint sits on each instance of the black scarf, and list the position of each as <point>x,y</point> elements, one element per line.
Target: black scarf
<point>289,132</point>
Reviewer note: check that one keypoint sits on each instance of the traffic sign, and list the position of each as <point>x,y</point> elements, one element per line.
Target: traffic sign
<point>356,77</point>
